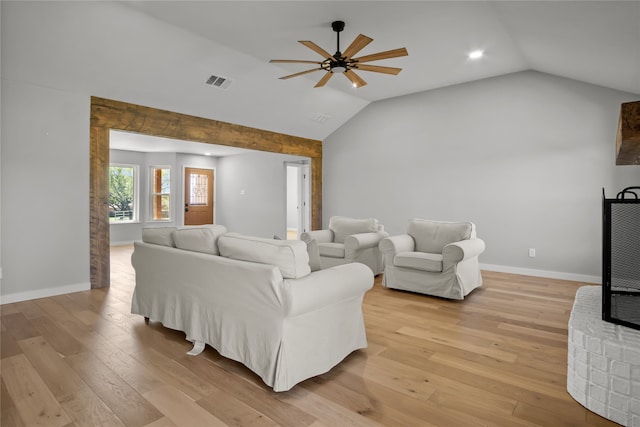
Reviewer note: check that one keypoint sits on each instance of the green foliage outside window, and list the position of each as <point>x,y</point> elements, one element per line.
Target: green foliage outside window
<point>121,193</point>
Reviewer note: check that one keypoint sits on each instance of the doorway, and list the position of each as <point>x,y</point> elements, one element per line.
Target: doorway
<point>198,196</point>
<point>298,184</point>
<point>107,114</point>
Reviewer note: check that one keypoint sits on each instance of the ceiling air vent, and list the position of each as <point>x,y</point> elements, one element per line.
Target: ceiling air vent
<point>219,82</point>
<point>320,118</point>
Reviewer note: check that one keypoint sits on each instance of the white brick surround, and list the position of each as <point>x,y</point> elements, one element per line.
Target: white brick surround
<point>604,361</point>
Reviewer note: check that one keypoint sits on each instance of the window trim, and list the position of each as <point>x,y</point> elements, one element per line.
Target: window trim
<point>152,193</point>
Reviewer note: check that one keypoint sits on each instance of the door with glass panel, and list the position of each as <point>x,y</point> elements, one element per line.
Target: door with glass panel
<point>198,196</point>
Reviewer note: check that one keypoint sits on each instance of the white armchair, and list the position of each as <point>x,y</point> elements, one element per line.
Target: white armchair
<point>349,240</point>
<point>435,258</point>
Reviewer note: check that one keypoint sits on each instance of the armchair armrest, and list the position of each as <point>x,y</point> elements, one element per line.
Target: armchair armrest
<point>364,240</point>
<point>320,236</point>
<point>395,244</point>
<point>465,249</point>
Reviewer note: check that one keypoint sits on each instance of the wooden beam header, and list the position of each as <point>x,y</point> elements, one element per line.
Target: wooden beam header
<point>106,113</point>
<point>628,138</point>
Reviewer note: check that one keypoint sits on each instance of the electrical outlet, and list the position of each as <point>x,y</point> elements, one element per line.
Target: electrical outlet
<point>532,252</point>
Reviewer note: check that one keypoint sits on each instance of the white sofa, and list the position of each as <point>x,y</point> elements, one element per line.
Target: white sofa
<point>254,300</point>
<point>349,240</point>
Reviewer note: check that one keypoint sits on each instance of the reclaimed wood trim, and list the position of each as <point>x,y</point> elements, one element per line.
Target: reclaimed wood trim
<point>123,116</point>
<point>316,193</point>
<point>99,207</point>
<point>107,114</point>
<point>628,136</point>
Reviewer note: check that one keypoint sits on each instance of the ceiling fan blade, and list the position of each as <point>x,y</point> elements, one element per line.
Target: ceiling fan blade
<point>378,69</point>
<point>323,81</point>
<point>355,79</point>
<point>314,47</point>
<point>383,55</point>
<point>357,45</point>
<point>300,73</point>
<point>294,61</point>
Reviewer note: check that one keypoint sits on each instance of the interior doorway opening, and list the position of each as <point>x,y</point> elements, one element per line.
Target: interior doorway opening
<point>298,184</point>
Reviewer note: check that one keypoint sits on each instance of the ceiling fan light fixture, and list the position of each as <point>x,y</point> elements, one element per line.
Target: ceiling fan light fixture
<point>476,54</point>
<point>338,69</point>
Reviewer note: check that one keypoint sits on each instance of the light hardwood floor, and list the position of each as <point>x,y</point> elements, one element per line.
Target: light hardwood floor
<point>496,359</point>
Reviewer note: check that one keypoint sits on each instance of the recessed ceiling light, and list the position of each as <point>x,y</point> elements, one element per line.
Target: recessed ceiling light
<point>207,154</point>
<point>476,54</point>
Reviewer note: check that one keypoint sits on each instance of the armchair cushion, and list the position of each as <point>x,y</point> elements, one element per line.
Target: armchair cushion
<point>332,250</point>
<point>433,236</point>
<point>419,261</point>
<point>321,236</point>
<point>343,227</point>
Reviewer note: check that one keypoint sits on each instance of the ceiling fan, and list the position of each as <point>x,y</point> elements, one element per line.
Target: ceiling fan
<point>345,63</point>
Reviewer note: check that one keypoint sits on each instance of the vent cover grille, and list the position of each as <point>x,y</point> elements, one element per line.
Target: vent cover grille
<point>320,118</point>
<point>219,82</point>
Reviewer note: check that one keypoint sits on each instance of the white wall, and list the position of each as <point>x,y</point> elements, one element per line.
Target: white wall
<point>130,232</point>
<point>45,191</point>
<point>524,156</point>
<point>261,211</point>
<point>251,188</point>
<point>193,161</point>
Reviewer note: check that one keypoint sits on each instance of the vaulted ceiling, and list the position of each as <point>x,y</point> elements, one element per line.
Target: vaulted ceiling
<point>161,53</point>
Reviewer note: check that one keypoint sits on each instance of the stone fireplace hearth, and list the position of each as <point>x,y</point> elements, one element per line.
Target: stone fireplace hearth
<point>603,361</point>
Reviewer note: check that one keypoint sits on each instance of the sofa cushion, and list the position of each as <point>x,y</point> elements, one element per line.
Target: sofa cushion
<point>162,236</point>
<point>199,238</point>
<point>419,261</point>
<point>343,227</point>
<point>290,256</point>
<point>331,250</point>
<point>433,236</point>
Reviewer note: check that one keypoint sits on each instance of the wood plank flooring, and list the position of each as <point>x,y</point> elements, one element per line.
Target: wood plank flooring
<point>496,359</point>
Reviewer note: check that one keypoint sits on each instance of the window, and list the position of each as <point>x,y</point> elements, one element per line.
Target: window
<point>199,189</point>
<point>160,193</point>
<point>123,203</point>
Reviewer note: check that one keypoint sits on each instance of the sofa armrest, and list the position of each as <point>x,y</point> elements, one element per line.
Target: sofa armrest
<point>326,287</point>
<point>320,236</point>
<point>465,249</point>
<point>393,245</point>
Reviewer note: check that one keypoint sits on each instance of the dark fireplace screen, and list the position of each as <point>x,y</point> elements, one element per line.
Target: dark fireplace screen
<point>621,258</point>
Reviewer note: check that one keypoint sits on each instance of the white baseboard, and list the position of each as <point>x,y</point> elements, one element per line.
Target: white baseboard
<point>125,243</point>
<point>43,293</point>
<point>542,273</point>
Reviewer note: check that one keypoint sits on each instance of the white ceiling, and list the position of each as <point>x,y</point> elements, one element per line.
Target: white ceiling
<point>153,144</point>
<point>160,53</point>
<point>596,42</point>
